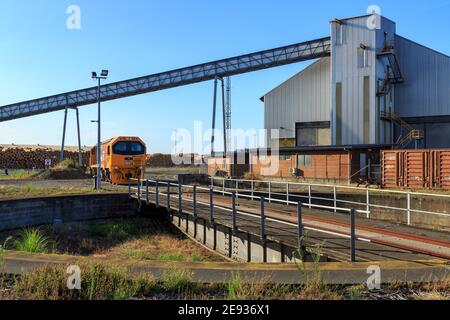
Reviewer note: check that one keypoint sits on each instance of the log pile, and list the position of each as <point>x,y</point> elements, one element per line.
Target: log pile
<point>159,160</point>
<point>34,158</point>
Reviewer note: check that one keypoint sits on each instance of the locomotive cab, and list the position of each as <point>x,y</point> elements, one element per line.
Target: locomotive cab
<point>122,158</point>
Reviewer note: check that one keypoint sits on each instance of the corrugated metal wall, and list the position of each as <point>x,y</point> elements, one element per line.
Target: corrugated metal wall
<point>426,91</point>
<point>343,89</point>
<point>303,98</point>
<point>348,69</point>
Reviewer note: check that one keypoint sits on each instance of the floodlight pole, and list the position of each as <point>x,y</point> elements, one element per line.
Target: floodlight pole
<point>103,75</point>
<point>99,146</point>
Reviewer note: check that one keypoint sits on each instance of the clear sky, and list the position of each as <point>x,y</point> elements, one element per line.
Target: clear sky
<point>40,56</point>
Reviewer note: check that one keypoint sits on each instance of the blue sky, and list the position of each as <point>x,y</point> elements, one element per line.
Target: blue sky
<point>39,56</point>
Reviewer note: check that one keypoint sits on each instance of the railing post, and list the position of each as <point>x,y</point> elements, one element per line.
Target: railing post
<point>287,193</point>
<point>139,189</point>
<point>211,207</point>
<point>237,189</point>
<point>212,182</point>
<point>270,192</point>
<point>157,193</point>
<point>129,187</point>
<point>146,192</point>
<point>180,209</point>
<point>194,202</point>
<point>180,199</point>
<point>368,203</point>
<point>252,186</point>
<point>309,196</point>
<point>335,199</point>
<point>300,229</point>
<point>352,236</point>
<point>263,220</point>
<point>223,187</point>
<point>409,209</point>
<point>233,213</point>
<point>168,195</point>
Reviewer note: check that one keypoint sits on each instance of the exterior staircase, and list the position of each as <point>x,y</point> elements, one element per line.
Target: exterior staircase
<point>412,134</point>
<point>393,72</point>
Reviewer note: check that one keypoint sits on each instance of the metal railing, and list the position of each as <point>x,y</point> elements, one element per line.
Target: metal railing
<point>145,188</point>
<point>282,191</point>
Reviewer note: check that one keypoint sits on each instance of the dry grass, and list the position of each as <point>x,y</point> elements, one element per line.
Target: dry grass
<point>434,291</point>
<point>29,191</point>
<point>18,174</point>
<point>98,282</point>
<point>145,239</point>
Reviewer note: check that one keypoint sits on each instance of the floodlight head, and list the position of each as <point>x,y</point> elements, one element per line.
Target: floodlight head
<point>104,73</point>
<point>94,74</point>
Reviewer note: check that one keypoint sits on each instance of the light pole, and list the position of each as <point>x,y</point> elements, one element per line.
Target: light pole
<point>103,75</point>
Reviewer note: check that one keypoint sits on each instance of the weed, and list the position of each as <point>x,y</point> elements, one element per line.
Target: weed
<point>29,188</point>
<point>234,287</point>
<point>66,164</point>
<point>196,258</point>
<point>314,288</point>
<point>255,289</point>
<point>2,257</point>
<point>177,280</point>
<point>32,240</point>
<point>98,282</point>
<point>355,292</point>
<point>169,257</point>
<point>136,254</point>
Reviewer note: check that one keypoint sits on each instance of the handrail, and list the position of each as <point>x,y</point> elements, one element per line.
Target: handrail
<point>262,217</point>
<point>337,186</point>
<point>269,196</point>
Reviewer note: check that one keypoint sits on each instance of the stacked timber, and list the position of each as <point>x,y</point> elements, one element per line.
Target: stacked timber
<point>159,160</point>
<point>28,157</point>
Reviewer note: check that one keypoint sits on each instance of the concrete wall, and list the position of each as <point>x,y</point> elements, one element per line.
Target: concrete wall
<point>22,213</point>
<point>242,246</point>
<point>422,220</point>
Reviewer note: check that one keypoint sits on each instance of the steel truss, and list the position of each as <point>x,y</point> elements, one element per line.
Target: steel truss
<point>222,68</point>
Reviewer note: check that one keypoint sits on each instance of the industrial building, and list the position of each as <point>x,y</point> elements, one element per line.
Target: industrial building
<point>375,91</point>
<point>375,88</point>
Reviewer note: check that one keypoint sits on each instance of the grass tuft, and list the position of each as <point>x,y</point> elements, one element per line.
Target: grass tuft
<point>33,241</point>
<point>136,254</point>
<point>177,280</point>
<point>170,257</point>
<point>98,282</point>
<point>66,164</point>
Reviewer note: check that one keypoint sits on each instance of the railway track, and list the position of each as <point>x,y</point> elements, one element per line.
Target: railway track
<point>410,242</point>
<point>374,244</point>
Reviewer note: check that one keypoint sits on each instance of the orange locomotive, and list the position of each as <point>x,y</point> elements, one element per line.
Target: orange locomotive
<point>122,158</point>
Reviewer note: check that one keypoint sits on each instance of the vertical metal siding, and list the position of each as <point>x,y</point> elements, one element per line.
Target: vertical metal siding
<point>347,70</point>
<point>427,81</point>
<point>303,98</point>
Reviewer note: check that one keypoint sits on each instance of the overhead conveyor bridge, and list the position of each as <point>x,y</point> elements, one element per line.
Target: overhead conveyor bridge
<point>203,72</point>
